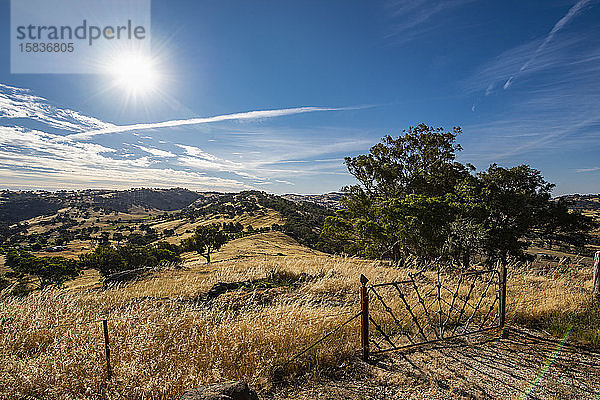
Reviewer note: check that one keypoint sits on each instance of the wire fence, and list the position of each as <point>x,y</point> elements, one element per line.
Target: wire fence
<point>111,336</point>
<point>521,293</point>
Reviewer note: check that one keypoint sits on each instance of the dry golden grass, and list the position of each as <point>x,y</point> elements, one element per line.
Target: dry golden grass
<point>177,342</point>
<point>165,339</point>
<point>556,301</point>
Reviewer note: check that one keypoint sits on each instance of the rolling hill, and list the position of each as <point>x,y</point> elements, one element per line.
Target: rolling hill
<point>71,222</point>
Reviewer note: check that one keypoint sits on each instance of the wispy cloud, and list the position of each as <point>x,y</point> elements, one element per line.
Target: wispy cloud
<point>239,157</point>
<point>410,18</point>
<point>289,156</point>
<point>284,182</point>
<point>156,152</point>
<point>593,169</point>
<point>553,110</point>
<point>557,54</point>
<point>19,103</point>
<point>196,152</point>
<point>522,138</point>
<point>249,115</point>
<point>573,11</point>
<point>33,159</point>
<point>197,158</point>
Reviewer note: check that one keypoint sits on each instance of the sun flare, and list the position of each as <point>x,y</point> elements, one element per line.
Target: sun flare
<point>135,73</point>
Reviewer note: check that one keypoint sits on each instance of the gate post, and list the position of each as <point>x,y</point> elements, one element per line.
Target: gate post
<point>502,300</point>
<point>364,317</point>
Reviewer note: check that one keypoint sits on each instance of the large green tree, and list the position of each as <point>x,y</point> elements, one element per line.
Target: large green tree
<point>518,207</point>
<point>414,198</point>
<point>400,205</point>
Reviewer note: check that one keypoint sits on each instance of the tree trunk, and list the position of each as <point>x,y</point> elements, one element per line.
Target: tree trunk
<point>396,257</point>
<point>466,259</point>
<point>596,279</point>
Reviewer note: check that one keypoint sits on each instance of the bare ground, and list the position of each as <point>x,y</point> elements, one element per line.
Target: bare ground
<point>526,365</point>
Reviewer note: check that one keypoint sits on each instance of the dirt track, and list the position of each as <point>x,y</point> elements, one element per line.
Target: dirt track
<point>520,367</point>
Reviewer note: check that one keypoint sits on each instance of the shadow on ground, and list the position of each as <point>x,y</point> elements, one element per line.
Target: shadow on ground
<point>526,365</point>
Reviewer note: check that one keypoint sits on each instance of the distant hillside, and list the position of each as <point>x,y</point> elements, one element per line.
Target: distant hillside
<point>582,201</point>
<point>18,206</point>
<point>21,205</point>
<point>303,220</point>
<point>159,199</point>
<point>74,221</point>
<point>329,200</point>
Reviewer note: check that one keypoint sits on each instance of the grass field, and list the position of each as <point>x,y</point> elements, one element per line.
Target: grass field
<point>166,338</point>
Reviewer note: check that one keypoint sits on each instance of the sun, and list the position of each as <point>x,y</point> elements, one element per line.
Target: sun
<point>135,73</point>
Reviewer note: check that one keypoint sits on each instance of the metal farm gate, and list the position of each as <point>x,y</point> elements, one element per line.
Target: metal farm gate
<point>430,306</point>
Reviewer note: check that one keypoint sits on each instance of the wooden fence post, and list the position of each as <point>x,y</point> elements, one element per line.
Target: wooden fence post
<point>596,279</point>
<point>364,317</point>
<point>107,349</point>
<point>502,300</point>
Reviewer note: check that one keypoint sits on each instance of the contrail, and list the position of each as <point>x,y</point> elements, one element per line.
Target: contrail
<point>195,121</point>
<point>557,27</point>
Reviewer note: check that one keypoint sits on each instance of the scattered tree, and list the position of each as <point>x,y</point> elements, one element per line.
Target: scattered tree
<point>108,259</point>
<point>168,232</point>
<point>118,237</point>
<point>48,270</point>
<point>206,240</point>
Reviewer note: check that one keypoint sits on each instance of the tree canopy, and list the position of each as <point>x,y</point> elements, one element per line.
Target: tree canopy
<point>108,259</point>
<point>48,270</point>
<point>206,240</point>
<point>414,198</point>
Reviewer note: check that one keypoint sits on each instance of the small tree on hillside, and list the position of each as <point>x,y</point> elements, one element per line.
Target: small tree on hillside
<point>109,259</point>
<point>206,240</point>
<point>118,237</point>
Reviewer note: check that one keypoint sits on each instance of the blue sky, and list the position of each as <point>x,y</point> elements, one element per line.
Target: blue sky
<point>271,95</point>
